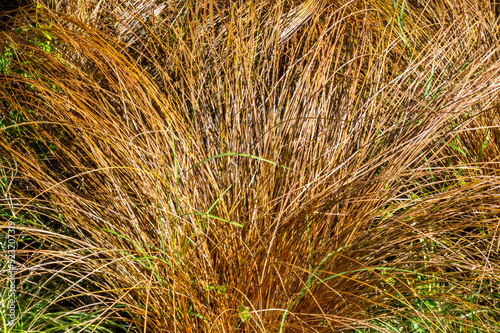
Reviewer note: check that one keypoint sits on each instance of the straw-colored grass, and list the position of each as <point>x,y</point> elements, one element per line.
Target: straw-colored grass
<point>268,166</point>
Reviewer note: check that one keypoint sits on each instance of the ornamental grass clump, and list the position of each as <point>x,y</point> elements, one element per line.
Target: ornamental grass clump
<point>272,166</point>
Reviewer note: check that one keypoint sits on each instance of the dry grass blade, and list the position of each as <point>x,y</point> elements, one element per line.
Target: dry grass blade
<point>272,166</point>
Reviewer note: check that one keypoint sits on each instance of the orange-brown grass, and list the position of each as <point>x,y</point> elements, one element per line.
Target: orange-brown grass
<point>271,166</point>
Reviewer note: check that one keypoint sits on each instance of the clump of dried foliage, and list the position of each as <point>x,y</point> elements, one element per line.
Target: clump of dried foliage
<point>252,166</point>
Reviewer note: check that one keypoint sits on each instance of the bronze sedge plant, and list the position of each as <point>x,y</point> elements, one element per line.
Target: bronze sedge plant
<point>240,167</point>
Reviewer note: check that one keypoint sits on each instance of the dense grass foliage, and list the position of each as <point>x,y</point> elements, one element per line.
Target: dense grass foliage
<point>252,166</point>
